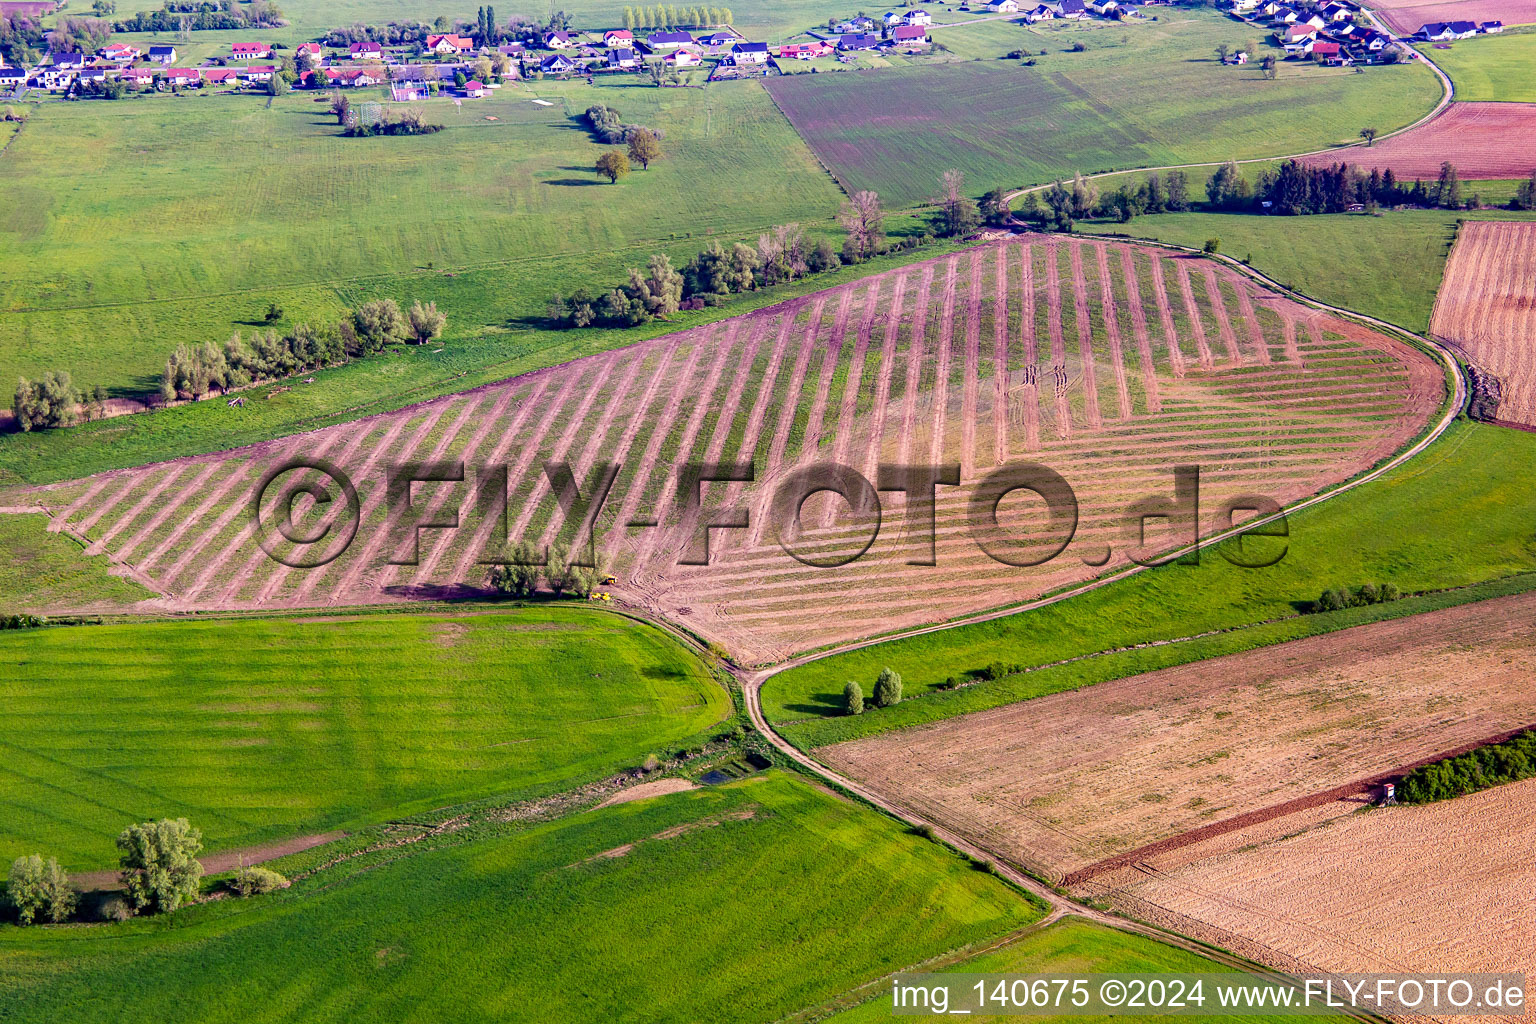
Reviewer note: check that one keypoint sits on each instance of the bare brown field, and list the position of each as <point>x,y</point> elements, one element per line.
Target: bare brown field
<point>1432,889</point>
<point>1486,307</point>
<point>1406,16</point>
<point>1482,140</point>
<point>1064,781</point>
<point>1108,362</point>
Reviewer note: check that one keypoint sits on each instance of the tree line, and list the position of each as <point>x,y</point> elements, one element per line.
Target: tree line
<point>1061,205</point>
<point>667,16</point>
<point>781,254</point>
<point>1483,768</point>
<point>204,17</point>
<point>192,371</point>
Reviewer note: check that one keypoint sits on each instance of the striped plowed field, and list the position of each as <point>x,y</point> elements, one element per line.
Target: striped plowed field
<point>1107,362</point>
<point>1486,307</point>
<point>1484,140</point>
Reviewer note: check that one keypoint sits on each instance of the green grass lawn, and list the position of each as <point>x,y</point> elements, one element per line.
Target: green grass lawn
<point>264,728</point>
<point>1491,67</point>
<point>45,570</point>
<point>742,903</point>
<point>1387,266</point>
<point>1456,515</point>
<point>1067,948</point>
<point>1138,95</point>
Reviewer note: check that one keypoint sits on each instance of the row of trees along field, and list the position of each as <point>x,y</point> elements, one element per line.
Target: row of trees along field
<point>782,254</point>
<point>193,371</point>
<point>671,16</point>
<point>158,869</point>
<point>1483,768</point>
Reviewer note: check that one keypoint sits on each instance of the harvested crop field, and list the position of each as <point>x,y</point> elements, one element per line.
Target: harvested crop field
<point>1436,888</point>
<point>1406,16</point>
<point>1486,307</point>
<point>1062,782</point>
<point>1108,362</point>
<point>1482,140</point>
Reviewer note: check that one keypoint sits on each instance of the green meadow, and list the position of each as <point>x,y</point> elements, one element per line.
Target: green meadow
<point>1388,266</point>
<point>1138,95</point>
<point>258,729</point>
<point>43,570</point>
<point>1067,948</point>
<point>180,218</point>
<point>740,903</point>
<point>1491,67</point>
<point>1457,515</point>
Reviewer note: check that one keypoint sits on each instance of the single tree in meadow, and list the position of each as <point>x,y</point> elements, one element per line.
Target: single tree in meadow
<point>1369,135</point>
<point>341,107</point>
<point>887,688</point>
<point>38,889</point>
<point>864,221</point>
<point>853,699</point>
<point>426,323</point>
<point>158,864</point>
<point>613,165</point>
<point>957,212</point>
<point>1222,52</point>
<point>643,148</point>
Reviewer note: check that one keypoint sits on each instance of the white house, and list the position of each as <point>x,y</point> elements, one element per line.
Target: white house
<point>917,16</point>
<point>749,53</point>
<point>1003,6</point>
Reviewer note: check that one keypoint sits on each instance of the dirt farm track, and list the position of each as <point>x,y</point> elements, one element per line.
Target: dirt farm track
<point>1107,362</point>
<point>1482,140</point>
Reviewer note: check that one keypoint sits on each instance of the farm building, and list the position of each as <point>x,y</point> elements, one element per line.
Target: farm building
<point>1438,31</point>
<point>749,53</point>
<point>1491,28</point>
<point>163,54</point>
<point>451,43</point>
<point>804,51</point>
<point>365,51</point>
<point>665,40</point>
<point>250,51</point>
<point>858,41</point>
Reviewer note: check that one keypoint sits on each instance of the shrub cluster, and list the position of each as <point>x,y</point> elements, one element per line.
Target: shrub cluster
<point>54,401</point>
<point>520,577</point>
<point>887,693</point>
<point>1488,766</point>
<point>1335,598</point>
<point>407,122</point>
<point>256,881</point>
<point>609,128</point>
<point>37,889</point>
<point>204,16</point>
<point>22,621</point>
<point>782,254</point>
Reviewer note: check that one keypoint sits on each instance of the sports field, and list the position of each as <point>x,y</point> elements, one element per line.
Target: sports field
<point>181,219</point>
<point>266,729</point>
<point>1108,362</point>
<point>1452,517</point>
<point>1494,67</point>
<point>741,903</point>
<point>1147,95</point>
